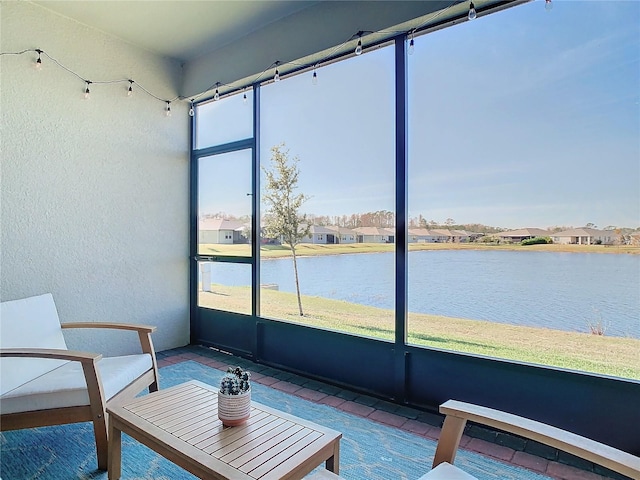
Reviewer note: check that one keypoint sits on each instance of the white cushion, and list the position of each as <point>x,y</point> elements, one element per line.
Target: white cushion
<point>446,471</point>
<point>66,387</point>
<point>28,323</point>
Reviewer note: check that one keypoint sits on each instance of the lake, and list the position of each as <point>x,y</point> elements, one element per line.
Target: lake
<point>564,291</point>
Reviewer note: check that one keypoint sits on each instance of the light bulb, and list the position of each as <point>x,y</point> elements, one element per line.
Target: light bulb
<point>167,111</point>
<point>191,110</point>
<point>411,47</point>
<point>548,5</point>
<point>472,11</point>
<point>130,90</point>
<point>87,93</point>
<point>38,64</point>
<point>358,49</point>
<point>314,79</point>
<point>276,76</point>
<point>216,96</point>
<point>244,98</point>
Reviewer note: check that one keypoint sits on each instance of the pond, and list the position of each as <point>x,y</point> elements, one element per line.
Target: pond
<point>564,291</point>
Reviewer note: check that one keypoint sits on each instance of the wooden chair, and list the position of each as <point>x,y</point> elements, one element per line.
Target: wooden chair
<point>43,383</point>
<point>458,413</point>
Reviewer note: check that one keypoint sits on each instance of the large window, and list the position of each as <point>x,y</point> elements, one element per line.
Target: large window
<point>341,130</point>
<point>523,192</point>
<point>225,120</point>
<point>524,128</point>
<point>225,204</point>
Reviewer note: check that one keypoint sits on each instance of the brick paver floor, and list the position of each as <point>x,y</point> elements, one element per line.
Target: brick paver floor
<point>409,419</point>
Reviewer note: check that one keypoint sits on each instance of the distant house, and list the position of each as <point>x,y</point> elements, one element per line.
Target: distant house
<point>442,235</point>
<point>218,230</point>
<point>420,235</point>
<point>375,235</point>
<point>461,236</point>
<point>516,236</point>
<point>321,235</point>
<point>585,236</point>
<point>344,235</point>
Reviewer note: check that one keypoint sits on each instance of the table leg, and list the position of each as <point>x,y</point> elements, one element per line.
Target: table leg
<point>115,452</point>
<point>333,463</point>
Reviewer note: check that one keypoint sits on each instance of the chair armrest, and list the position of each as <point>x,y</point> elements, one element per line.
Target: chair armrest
<point>52,354</point>
<point>457,413</point>
<point>89,367</point>
<point>144,335</point>
<point>119,326</point>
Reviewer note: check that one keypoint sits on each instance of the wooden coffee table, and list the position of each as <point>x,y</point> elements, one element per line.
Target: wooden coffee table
<point>181,424</point>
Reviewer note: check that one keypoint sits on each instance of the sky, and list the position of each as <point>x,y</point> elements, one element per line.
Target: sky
<point>523,118</point>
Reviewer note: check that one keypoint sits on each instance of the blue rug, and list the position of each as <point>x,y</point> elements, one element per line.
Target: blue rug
<point>368,451</point>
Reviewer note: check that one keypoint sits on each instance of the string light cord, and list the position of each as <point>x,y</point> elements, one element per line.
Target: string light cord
<point>315,65</point>
<point>232,87</point>
<point>87,81</point>
<point>272,65</point>
<point>20,53</point>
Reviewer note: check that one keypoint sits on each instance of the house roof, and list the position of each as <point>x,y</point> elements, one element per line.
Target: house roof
<point>441,232</point>
<point>374,231</point>
<point>320,229</point>
<point>579,232</point>
<point>420,232</point>
<point>219,224</point>
<point>341,230</point>
<point>525,232</point>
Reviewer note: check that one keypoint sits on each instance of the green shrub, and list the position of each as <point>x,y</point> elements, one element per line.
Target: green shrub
<point>537,241</point>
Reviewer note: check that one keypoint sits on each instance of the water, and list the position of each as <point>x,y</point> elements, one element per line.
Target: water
<point>564,291</point>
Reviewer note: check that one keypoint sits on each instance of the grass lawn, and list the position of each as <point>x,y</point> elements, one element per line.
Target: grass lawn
<point>615,356</point>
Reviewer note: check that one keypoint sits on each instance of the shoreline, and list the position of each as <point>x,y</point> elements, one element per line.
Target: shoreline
<point>311,249</point>
<point>541,345</point>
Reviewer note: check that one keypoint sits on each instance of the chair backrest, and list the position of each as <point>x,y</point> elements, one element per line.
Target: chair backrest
<point>28,323</point>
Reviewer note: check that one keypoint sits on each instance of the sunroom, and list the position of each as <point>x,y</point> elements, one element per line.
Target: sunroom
<point>127,125</point>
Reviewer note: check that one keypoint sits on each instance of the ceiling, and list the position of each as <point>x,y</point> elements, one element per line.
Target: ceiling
<point>184,29</point>
<point>230,43</point>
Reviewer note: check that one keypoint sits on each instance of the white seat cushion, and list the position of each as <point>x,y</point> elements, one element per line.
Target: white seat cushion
<point>446,471</point>
<point>28,323</point>
<point>66,387</point>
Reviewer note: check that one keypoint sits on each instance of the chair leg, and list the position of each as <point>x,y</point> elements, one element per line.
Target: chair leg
<point>449,440</point>
<point>102,444</point>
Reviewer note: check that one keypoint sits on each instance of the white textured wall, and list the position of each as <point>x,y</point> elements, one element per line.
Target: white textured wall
<point>94,193</point>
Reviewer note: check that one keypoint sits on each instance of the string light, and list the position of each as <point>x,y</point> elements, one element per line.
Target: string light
<point>472,11</point>
<point>276,75</point>
<point>258,78</point>
<point>191,110</point>
<point>358,50</point>
<point>411,46</point>
<point>39,60</point>
<point>548,5</point>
